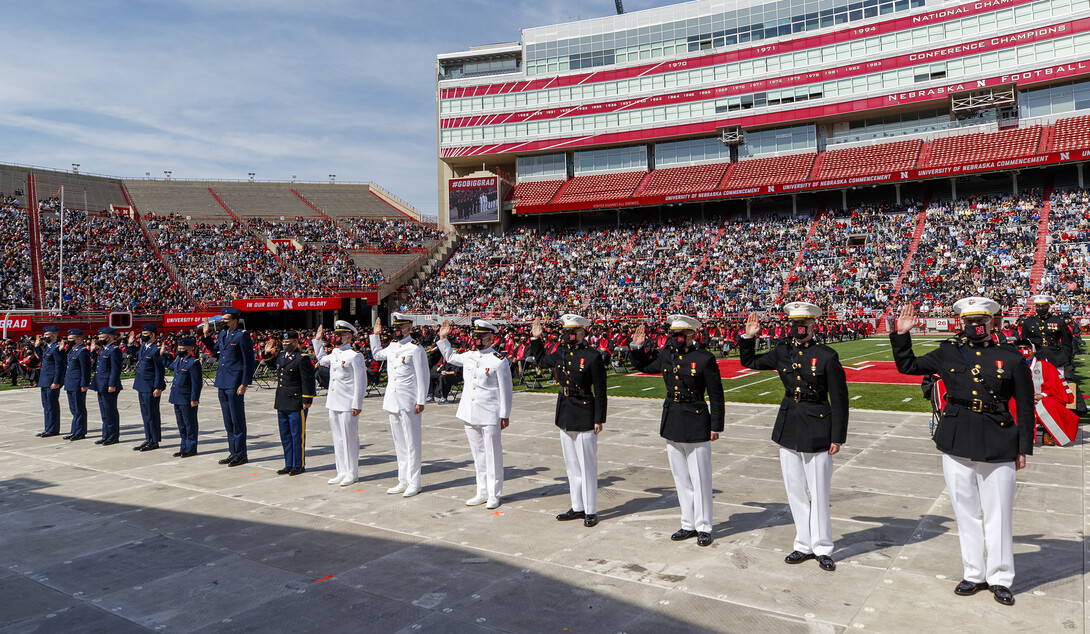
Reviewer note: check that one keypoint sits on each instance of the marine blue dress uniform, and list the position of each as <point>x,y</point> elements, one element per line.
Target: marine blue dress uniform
<point>149,384</point>
<point>810,427</point>
<point>982,446</point>
<point>185,394</point>
<point>689,424</point>
<point>77,380</point>
<point>580,411</point>
<point>107,382</point>
<point>294,394</point>
<point>50,379</point>
<point>235,351</point>
<point>1050,335</point>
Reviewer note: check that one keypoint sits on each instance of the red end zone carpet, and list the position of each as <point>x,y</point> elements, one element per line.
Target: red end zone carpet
<point>857,372</point>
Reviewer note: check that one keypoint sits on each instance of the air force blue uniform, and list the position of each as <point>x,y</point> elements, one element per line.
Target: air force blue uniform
<point>235,351</point>
<point>185,389</point>
<point>77,378</point>
<point>52,373</point>
<point>107,375</point>
<point>150,376</point>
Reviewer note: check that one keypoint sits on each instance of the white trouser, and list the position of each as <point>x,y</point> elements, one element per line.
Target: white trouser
<point>346,442</point>
<point>691,464</point>
<point>405,428</point>
<point>484,444</point>
<point>811,472</point>
<point>581,462</point>
<point>982,494</point>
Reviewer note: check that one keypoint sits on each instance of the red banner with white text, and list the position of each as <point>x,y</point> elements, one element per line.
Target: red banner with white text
<point>294,303</point>
<point>185,320</point>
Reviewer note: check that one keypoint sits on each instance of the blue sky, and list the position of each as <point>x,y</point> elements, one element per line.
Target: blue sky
<point>220,88</point>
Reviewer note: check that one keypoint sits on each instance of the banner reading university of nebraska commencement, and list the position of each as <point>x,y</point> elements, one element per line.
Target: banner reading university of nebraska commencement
<point>185,320</point>
<point>295,303</point>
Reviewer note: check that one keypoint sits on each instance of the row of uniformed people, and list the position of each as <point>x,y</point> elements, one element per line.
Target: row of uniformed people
<point>981,445</point>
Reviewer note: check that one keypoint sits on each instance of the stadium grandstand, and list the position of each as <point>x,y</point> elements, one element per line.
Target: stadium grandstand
<point>156,247</point>
<point>713,158</point>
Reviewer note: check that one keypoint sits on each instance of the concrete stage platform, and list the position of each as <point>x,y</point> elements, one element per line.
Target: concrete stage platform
<point>105,539</point>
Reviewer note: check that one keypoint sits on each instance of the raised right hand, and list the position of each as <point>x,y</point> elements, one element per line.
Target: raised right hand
<point>321,331</point>
<point>377,330</point>
<point>753,325</point>
<point>907,320</point>
<point>535,328</point>
<point>444,329</point>
<point>639,336</point>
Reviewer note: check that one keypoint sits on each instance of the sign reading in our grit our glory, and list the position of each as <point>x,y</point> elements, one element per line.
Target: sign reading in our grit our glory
<point>295,303</point>
<point>15,324</point>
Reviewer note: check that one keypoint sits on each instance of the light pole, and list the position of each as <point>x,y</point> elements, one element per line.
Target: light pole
<point>167,173</point>
<point>332,177</point>
<point>75,168</point>
<point>251,175</point>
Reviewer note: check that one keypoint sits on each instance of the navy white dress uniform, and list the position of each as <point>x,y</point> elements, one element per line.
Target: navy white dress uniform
<point>150,378</point>
<point>407,387</point>
<point>687,420</point>
<point>347,389</point>
<point>979,440</point>
<point>580,405</point>
<point>77,380</point>
<point>108,375</point>
<point>234,350</point>
<point>485,400</point>
<point>51,373</point>
<point>813,416</point>
<point>294,389</point>
<point>1050,334</point>
<point>185,394</point>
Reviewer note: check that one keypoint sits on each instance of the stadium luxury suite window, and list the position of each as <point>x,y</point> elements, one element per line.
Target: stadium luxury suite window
<point>887,45</point>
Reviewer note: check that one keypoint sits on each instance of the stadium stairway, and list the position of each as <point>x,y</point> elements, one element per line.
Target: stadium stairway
<point>917,234</point>
<point>438,258</point>
<point>34,220</point>
<point>802,254</point>
<point>312,206</point>
<point>1041,254</point>
<point>172,272</point>
<point>704,262</point>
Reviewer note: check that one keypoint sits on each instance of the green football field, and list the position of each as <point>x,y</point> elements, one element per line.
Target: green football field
<point>765,387</point>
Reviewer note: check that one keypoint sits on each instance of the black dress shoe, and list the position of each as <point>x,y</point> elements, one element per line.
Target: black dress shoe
<point>110,442</point>
<point>191,453</point>
<point>1003,595</point>
<point>590,520</point>
<point>141,446</point>
<point>284,471</point>
<point>227,460</point>
<point>826,562</point>
<point>703,539</point>
<point>683,534</point>
<point>49,434</point>
<point>40,434</point>
<point>237,461</point>
<point>66,437</point>
<point>100,441</point>
<point>150,447</point>
<point>176,454</point>
<point>571,514</point>
<point>77,437</point>
<point>797,557</point>
<point>297,471</point>
<point>968,588</point>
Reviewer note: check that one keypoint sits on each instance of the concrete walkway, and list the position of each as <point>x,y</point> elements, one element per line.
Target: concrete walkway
<point>105,539</point>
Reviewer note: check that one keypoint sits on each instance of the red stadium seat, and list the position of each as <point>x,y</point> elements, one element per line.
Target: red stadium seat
<point>534,192</point>
<point>1071,134</point>
<point>984,146</point>
<point>684,180</point>
<point>772,170</point>
<point>596,187</point>
<point>870,159</point>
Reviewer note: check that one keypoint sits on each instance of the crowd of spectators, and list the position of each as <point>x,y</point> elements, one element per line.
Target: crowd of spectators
<point>1067,262</point>
<point>983,245</point>
<point>16,278</point>
<point>108,265</point>
<point>222,262</point>
<point>388,236</point>
<point>854,258</point>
